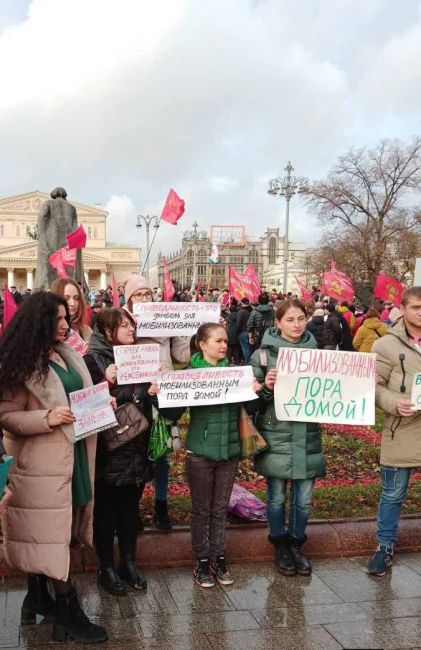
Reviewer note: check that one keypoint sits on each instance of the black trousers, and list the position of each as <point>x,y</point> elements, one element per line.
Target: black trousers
<point>116,513</point>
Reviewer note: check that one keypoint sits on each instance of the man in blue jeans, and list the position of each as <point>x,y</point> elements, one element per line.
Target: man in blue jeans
<point>398,361</point>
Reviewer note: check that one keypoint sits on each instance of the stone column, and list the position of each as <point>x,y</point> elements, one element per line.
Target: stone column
<point>10,277</point>
<point>103,281</point>
<point>29,278</point>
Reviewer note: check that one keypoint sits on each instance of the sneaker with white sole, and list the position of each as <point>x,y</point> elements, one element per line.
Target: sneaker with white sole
<point>381,560</point>
<point>202,574</point>
<point>220,572</point>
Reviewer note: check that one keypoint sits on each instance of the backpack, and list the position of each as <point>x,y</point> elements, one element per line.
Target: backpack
<point>261,326</point>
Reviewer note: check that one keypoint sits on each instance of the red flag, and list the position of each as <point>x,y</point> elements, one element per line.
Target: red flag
<point>305,293</point>
<point>62,258</point>
<point>337,284</point>
<point>77,238</point>
<point>169,290</point>
<point>173,208</point>
<point>250,272</point>
<point>241,285</point>
<point>389,289</point>
<point>10,307</point>
<point>116,298</point>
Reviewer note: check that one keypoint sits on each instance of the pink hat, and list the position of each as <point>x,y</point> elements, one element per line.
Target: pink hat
<point>135,283</point>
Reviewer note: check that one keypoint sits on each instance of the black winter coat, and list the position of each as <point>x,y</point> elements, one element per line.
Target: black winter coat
<point>332,331</point>
<point>242,319</point>
<point>316,326</point>
<point>129,464</point>
<point>232,318</point>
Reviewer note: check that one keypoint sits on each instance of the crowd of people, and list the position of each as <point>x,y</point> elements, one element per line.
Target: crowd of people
<point>63,493</point>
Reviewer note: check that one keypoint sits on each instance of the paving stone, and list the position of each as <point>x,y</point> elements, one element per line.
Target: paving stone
<point>167,624</point>
<point>311,638</point>
<point>304,590</point>
<point>252,593</point>
<point>311,615</point>
<point>387,634</point>
<point>189,597</point>
<point>392,608</point>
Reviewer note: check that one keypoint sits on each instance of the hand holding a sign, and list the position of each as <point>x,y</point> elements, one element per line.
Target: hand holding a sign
<point>256,386</point>
<point>270,379</point>
<point>153,389</point>
<point>405,408</point>
<point>60,415</point>
<point>111,373</point>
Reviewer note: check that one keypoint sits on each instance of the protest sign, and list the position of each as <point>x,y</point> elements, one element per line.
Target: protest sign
<point>92,410</point>
<point>136,364</point>
<point>206,386</point>
<point>174,318</point>
<point>416,392</point>
<point>325,386</point>
<point>76,342</point>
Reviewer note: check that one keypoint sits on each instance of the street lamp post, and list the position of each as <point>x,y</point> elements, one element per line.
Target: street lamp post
<point>287,186</point>
<point>147,221</point>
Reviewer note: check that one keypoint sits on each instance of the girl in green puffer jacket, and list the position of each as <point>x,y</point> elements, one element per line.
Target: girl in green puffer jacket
<point>294,448</point>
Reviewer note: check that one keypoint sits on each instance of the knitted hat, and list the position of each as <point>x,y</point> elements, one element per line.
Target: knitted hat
<point>135,283</point>
<point>319,312</point>
<point>319,305</point>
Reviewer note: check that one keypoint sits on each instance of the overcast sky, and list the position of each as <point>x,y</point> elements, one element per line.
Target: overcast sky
<point>119,100</point>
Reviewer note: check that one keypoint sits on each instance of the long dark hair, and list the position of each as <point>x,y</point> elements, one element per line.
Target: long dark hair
<point>26,343</point>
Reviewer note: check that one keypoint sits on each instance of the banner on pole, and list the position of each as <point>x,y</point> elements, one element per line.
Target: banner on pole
<point>174,318</point>
<point>325,386</point>
<point>92,410</point>
<point>206,386</point>
<point>136,364</point>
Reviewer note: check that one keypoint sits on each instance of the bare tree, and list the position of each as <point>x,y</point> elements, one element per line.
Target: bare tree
<point>368,208</point>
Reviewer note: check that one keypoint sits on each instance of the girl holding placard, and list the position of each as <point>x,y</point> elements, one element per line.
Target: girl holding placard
<point>294,451</point>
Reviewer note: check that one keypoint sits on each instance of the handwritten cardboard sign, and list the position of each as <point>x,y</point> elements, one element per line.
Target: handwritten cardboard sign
<point>76,342</point>
<point>416,392</point>
<point>136,364</point>
<point>174,318</point>
<point>325,386</point>
<point>92,410</point>
<point>206,386</point>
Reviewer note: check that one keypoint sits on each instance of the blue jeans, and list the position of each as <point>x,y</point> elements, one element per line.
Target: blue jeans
<point>301,497</point>
<point>243,338</point>
<point>395,486</point>
<point>162,474</point>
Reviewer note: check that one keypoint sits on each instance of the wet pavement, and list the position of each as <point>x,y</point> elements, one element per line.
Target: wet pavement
<point>339,606</point>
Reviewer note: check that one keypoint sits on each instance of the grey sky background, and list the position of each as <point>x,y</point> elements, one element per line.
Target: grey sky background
<point>120,100</point>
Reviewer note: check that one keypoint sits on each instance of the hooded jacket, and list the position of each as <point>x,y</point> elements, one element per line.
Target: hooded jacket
<point>316,326</point>
<point>401,437</point>
<point>370,331</point>
<point>294,448</point>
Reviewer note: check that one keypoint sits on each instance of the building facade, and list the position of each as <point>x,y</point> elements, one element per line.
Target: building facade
<point>190,265</point>
<point>18,248</point>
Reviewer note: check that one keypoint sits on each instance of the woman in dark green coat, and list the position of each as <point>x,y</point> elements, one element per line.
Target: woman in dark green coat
<point>294,448</point>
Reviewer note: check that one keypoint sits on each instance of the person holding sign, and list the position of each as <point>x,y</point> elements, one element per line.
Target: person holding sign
<point>213,450</point>
<point>177,348</point>
<point>398,362</point>
<point>294,448</point>
<point>121,473</point>
<point>51,479</point>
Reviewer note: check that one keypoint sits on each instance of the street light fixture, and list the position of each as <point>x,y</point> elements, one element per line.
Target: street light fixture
<point>287,186</point>
<point>147,221</point>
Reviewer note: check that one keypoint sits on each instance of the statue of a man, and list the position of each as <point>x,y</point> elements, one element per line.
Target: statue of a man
<point>56,219</point>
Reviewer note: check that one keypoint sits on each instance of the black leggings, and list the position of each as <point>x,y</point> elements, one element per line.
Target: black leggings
<point>116,512</point>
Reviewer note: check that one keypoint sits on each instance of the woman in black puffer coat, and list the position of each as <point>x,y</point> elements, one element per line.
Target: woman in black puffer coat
<point>121,474</point>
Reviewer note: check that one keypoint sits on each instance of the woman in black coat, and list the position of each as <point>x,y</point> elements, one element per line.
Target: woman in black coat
<point>316,326</point>
<point>121,474</point>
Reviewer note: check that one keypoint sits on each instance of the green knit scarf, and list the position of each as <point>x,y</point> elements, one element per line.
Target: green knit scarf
<point>197,361</point>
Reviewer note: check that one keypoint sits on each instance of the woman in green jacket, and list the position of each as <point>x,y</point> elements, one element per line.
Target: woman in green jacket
<point>213,451</point>
<point>294,448</point>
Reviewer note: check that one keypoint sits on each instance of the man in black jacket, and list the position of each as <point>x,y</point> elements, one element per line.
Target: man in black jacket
<point>336,332</point>
<point>242,333</point>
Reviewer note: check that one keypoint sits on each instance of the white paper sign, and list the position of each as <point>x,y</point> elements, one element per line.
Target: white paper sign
<point>174,318</point>
<point>92,410</point>
<point>136,364</point>
<point>206,386</point>
<point>416,392</point>
<point>325,386</point>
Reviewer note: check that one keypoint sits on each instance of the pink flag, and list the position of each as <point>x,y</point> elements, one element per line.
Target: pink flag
<point>77,238</point>
<point>173,208</point>
<point>169,290</point>
<point>389,289</point>
<point>241,285</point>
<point>337,284</point>
<point>10,307</point>
<point>62,258</point>
<point>116,299</point>
<point>305,293</point>
<point>250,272</point>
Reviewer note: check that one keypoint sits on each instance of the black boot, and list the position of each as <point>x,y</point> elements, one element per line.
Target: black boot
<point>108,578</point>
<point>131,573</point>
<point>283,557</point>
<point>71,622</point>
<point>37,600</point>
<point>302,564</point>
<point>162,519</point>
